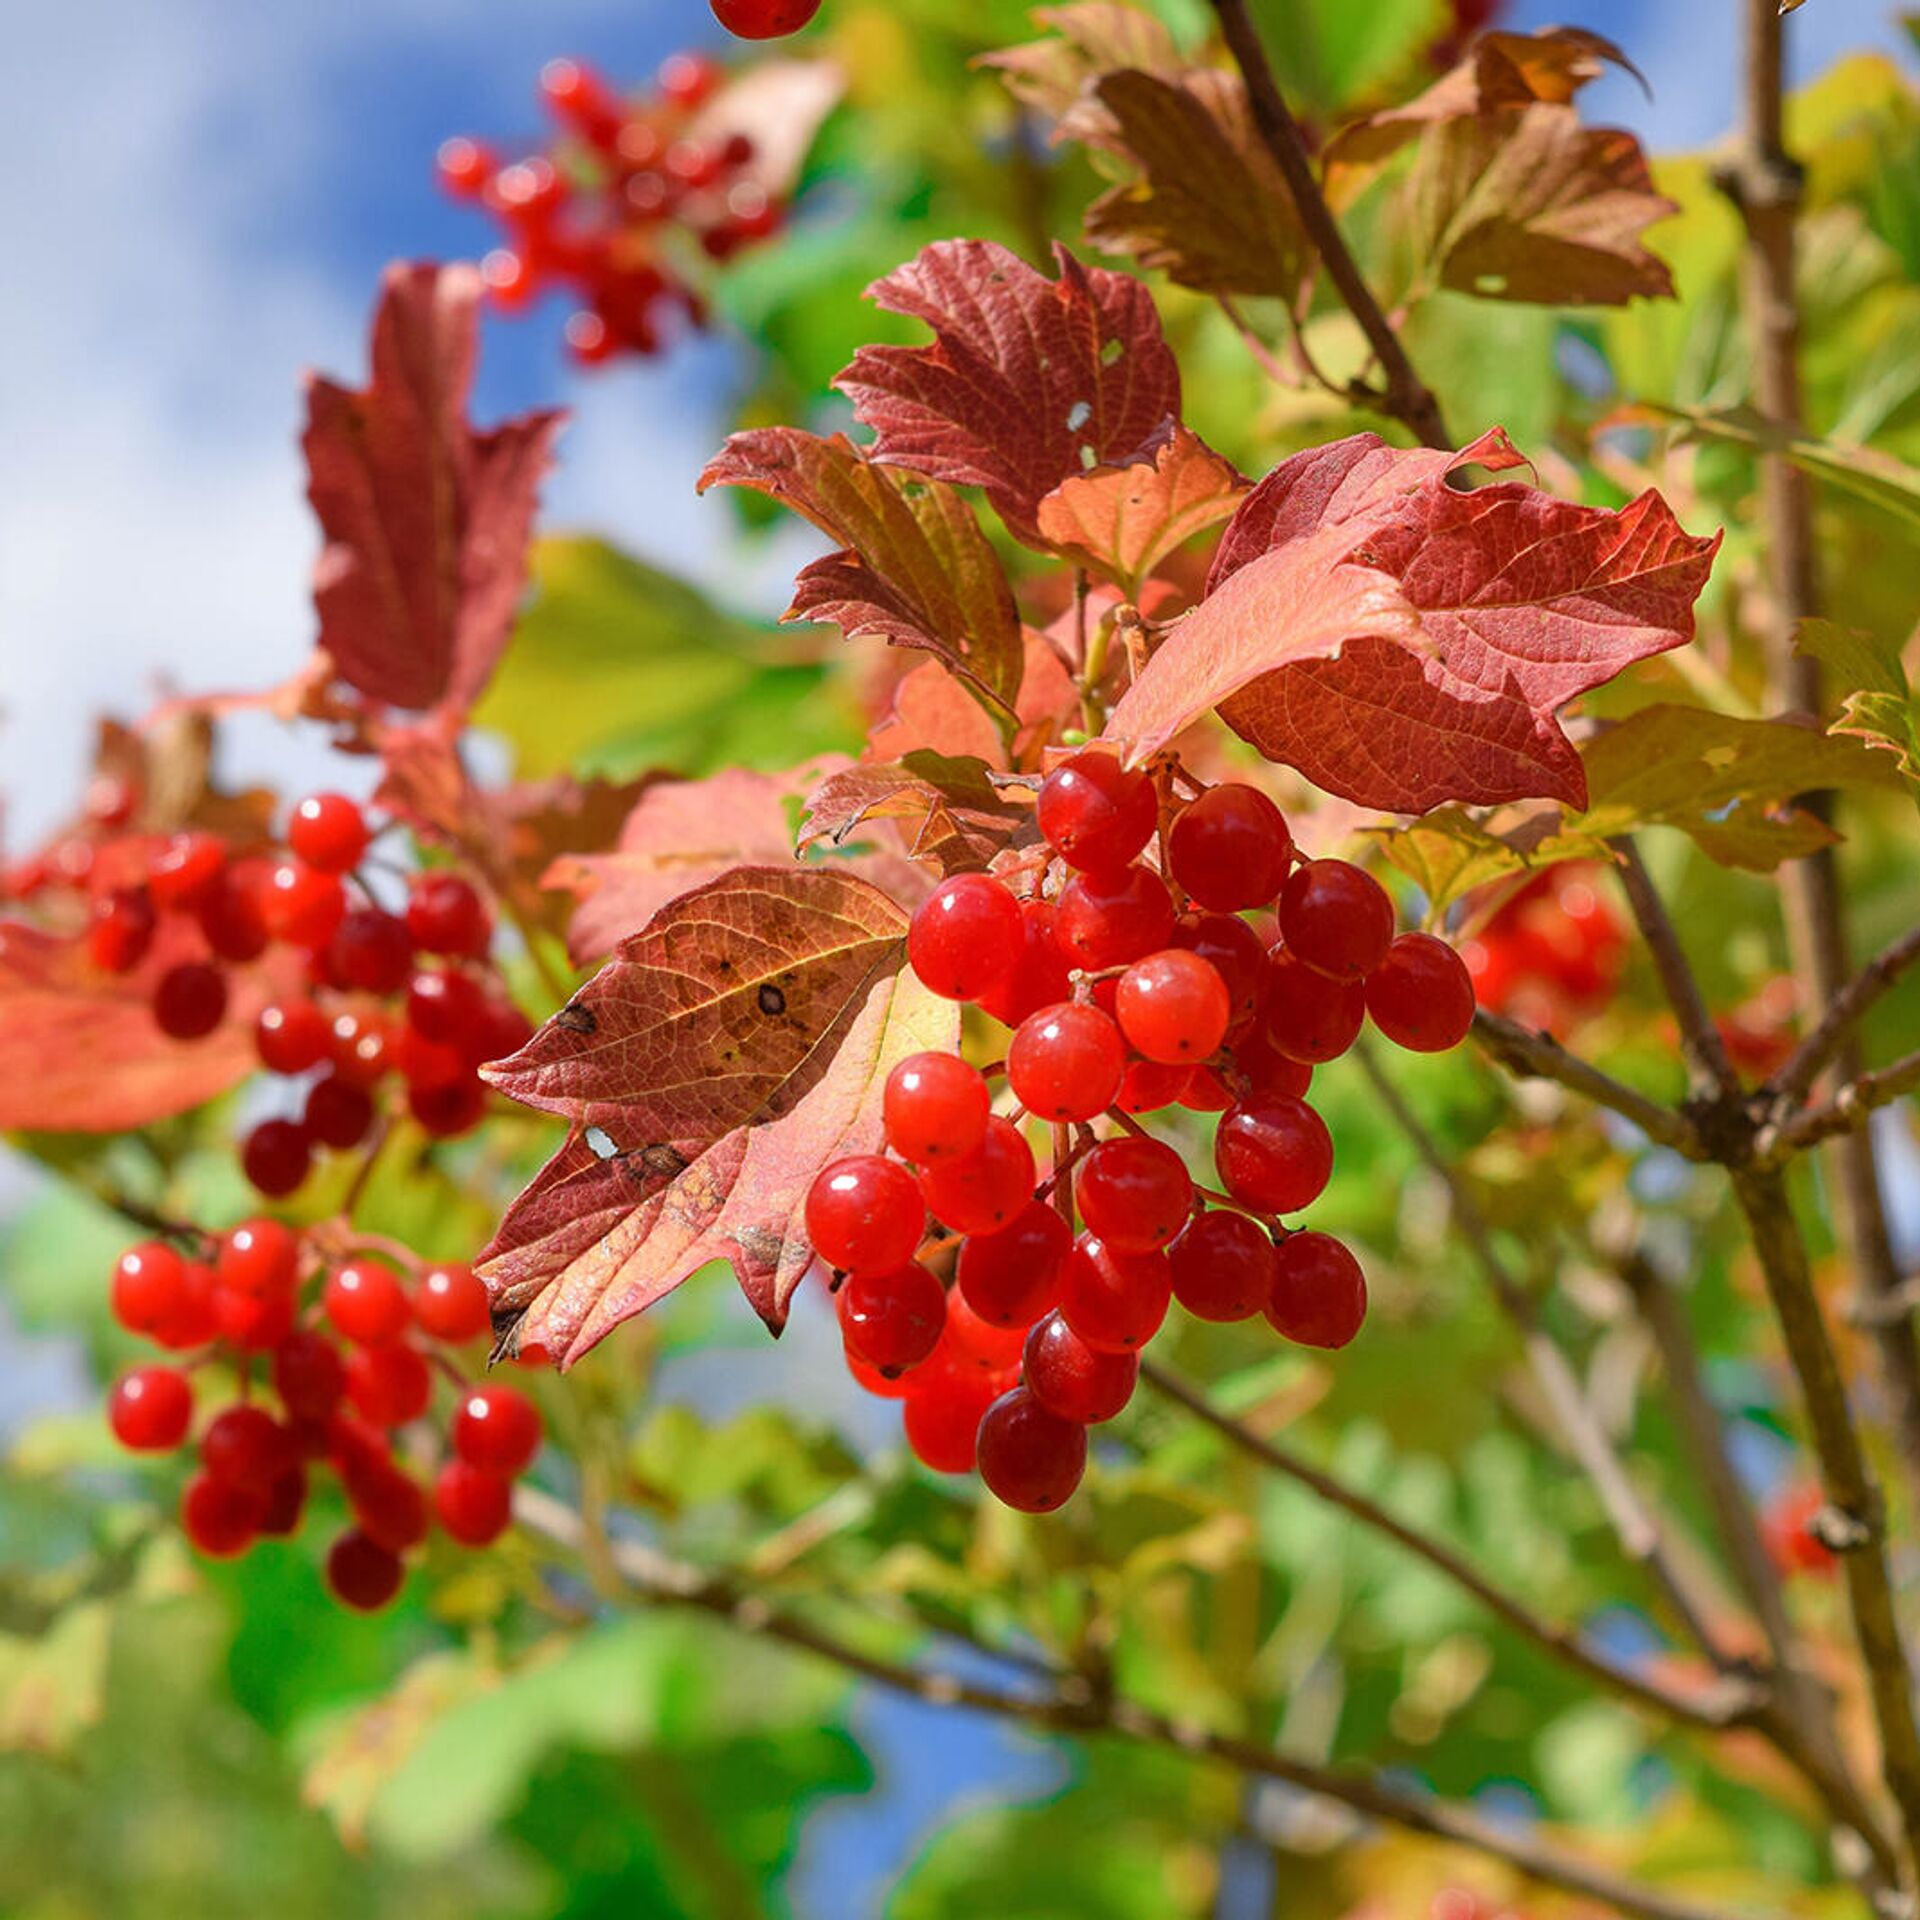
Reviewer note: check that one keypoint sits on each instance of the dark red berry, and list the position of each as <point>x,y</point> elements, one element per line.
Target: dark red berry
<point>1223,1266</point>
<point>1309,1015</point>
<point>964,937</point>
<point>275,1157</point>
<point>291,1036</point>
<point>361,1048</point>
<point>246,1447</point>
<point>446,1007</point>
<point>371,950</point>
<point>338,1114</point>
<point>865,1214</point>
<point>445,915</point>
<point>1011,1277</point>
<point>1134,1195</point>
<point>1074,1380</point>
<point>983,1192</point>
<point>1235,952</point>
<point>448,1110</point>
<point>473,1505</point>
<point>1148,1086</point>
<point>150,1409</point>
<point>1336,919</point>
<point>389,1385</point>
<point>1066,1063</point>
<point>1206,1092</point>
<point>329,832</point>
<point>1108,919</point>
<point>363,1574</point>
<point>284,1503</point>
<point>1230,849</point>
<point>892,1320</point>
<point>764,19</point>
<point>1319,1295</point>
<point>942,1416</point>
<point>190,1000</point>
<point>936,1108</point>
<point>1114,1301</point>
<point>1030,1458</point>
<point>252,1322</point>
<point>389,1504</point>
<point>233,918</point>
<point>1421,995</point>
<point>1267,1069</point>
<point>220,1519</point>
<point>1039,975</point>
<point>309,1375</point>
<point>1095,813</point>
<point>1274,1155</point>
<point>498,1428</point>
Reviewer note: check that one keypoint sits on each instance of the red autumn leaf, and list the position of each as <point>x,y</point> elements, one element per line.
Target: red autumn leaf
<point>1519,602</point>
<point>426,521</point>
<point>727,1053</point>
<point>914,567</point>
<point>929,711</point>
<point>1028,380</point>
<point>950,814</point>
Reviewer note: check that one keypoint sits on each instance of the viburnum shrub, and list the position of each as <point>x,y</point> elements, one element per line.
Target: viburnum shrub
<point>1090,1042</point>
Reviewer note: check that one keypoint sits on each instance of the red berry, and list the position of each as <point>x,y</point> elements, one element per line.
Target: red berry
<point>252,1321</point>
<point>389,1504</point>
<point>1268,1070</point>
<point>445,915</point>
<point>1274,1155</point>
<point>371,950</point>
<point>1134,1195</point>
<point>308,1375</point>
<point>893,1320</point>
<point>1095,813</point>
<point>122,930</point>
<point>497,1427</point>
<point>865,1215</point>
<point>338,1114</point>
<point>147,1283</point>
<point>1336,918</point>
<point>190,1319</point>
<point>464,166</point>
<point>363,1574</point>
<point>1421,995</point>
<point>1223,1266</point>
<point>1309,1015</point>
<point>983,1192</point>
<point>366,1304</point>
<point>284,1504</point>
<point>1206,1092</point>
<point>186,870</point>
<point>221,1520</point>
<point>150,1409</point>
<point>275,1157</point>
<point>233,918</point>
<point>361,1048</point>
<point>964,936</point>
<point>446,1007</point>
<point>259,1256</point>
<point>1114,1301</point>
<point>1039,974</point>
<point>1173,1007</point>
<point>190,1000</point>
<point>246,1447</point>
<point>764,19</point>
<point>451,1303</point>
<point>474,1506</point>
<point>1074,1380</point>
<point>389,1385</point>
<point>1030,1458</point>
<point>449,1110</point>
<point>976,1346</point>
<point>1319,1295</point>
<point>1231,848</point>
<point>1012,1277</point>
<point>1148,1086</point>
<point>1235,952</point>
<point>1107,919</point>
<point>302,905</point>
<point>936,1107</point>
<point>291,1036</point>
<point>329,832</point>
<point>943,1416</point>
<point>577,93</point>
<point>1066,1063</point>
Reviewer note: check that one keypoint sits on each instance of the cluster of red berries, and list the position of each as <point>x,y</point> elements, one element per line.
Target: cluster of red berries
<point>598,210</point>
<point>409,992</point>
<point>340,1345</point>
<point>764,19</point>
<point>1130,987</point>
<point>1553,954</point>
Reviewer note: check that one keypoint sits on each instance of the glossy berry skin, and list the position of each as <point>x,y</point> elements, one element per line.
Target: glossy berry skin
<point>253,1322</point>
<point>1268,1069</point>
<point>1230,848</point>
<point>1319,1295</point>
<point>1235,952</point>
<point>185,871</point>
<point>291,1036</point>
<point>964,936</point>
<point>1066,1063</point>
<point>1173,1007</point>
<point>1336,919</point>
<point>259,1256</point>
<point>362,1574</point>
<point>190,1000</point>
<point>146,1285</point>
<point>365,1303</point>
<point>942,1419</point>
<point>1310,1016</point>
<point>1012,1277</point>
<point>474,1506</point>
<point>233,918</point>
<point>390,1505</point>
<point>1095,814</point>
<point>1223,1267</point>
<point>276,1156</point>
<point>1133,1194</point>
<point>1039,975</point>
<point>976,1346</point>
<point>1273,1155</point>
<point>865,1215</point>
<point>1074,1380</point>
<point>446,1007</point>
<point>371,950</point>
<point>764,19</point>
<point>1114,1301</point>
<point>1147,1087</point>
<point>1030,1458</point>
<point>122,930</point>
<point>445,915</point>
<point>893,1320</point>
<point>450,1302</point>
<point>309,1375</point>
<point>220,1520</point>
<point>935,1108</point>
<point>389,1385</point>
<point>150,1409</point>
<point>189,1320</point>
<point>329,832</point>
<point>1421,995</point>
<point>497,1427</point>
<point>301,904</point>
<point>337,1114</point>
<point>1108,919</point>
<point>246,1447</point>
<point>983,1192</point>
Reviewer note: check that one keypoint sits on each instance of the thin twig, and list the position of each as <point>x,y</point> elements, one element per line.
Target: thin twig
<point>1849,1109</point>
<point>1848,1008</point>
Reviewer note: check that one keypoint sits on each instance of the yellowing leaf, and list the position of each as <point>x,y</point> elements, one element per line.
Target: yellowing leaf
<point>1448,853</point>
<point>1866,680</point>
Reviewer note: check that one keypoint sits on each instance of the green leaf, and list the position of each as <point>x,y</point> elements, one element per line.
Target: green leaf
<point>1448,853</point>
<point>1865,676</point>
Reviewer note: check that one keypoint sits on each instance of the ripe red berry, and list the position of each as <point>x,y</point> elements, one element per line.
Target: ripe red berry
<point>122,930</point>
<point>1074,1380</point>
<point>892,1320</point>
<point>1148,1086</point>
<point>1235,952</point>
<point>450,1303</point>
<point>259,1256</point>
<point>363,1574</point>
<point>146,1285</point>
<point>983,1192</point>
<point>936,1108</point>
<point>1134,1195</point>
<point>337,1114</point>
<point>1319,1295</point>
<point>474,1506</point>
<point>246,1447</point>
<point>361,1048</point>
<point>220,1519</point>
<point>1012,1277</point>
<point>446,1007</point>
<point>1095,814</point>
<point>1173,1007</point>
<point>445,915</point>
<point>302,905</point>
<point>371,950</point>
<point>464,166</point>
<point>1030,1458</point>
<point>150,1409</point>
<point>1223,1266</point>
<point>233,918</point>
<point>1039,974</point>
<point>448,1110</point>
<point>291,1036</point>
<point>1336,918</point>
<point>1107,919</point>
<point>389,1504</point>
<point>865,1215</point>
<point>1230,848</point>
<point>964,936</point>
<point>976,1346</point>
<point>764,19</point>
<point>365,1303</point>
<point>186,870</point>
<point>1066,1063</point>
<point>252,1322</point>
<point>1310,1016</point>
<point>1421,995</point>
<point>284,1503</point>
<point>1267,1069</point>
<point>189,1319</point>
<point>308,1375</point>
<point>389,1385</point>
<point>329,832</point>
<point>190,1000</point>
<point>275,1156</point>
<point>942,1417</point>
<point>498,1428</point>
<point>1114,1301</point>
<point>1274,1155</point>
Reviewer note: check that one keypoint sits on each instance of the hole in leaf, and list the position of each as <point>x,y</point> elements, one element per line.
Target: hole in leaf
<point>1078,415</point>
<point>600,1143</point>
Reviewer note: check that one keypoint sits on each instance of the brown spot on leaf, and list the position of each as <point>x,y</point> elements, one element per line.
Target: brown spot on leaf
<point>576,1018</point>
<point>663,1160</point>
<point>773,1001</point>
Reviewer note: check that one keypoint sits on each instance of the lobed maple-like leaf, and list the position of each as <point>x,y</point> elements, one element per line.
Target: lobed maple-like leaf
<point>1470,618</point>
<point>914,566</point>
<point>1027,381</point>
<point>930,711</point>
<point>425,520</point>
<point>1448,853</point>
<point>730,1050</point>
<point>950,813</point>
<point>1092,38</point>
<point>1866,679</point>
